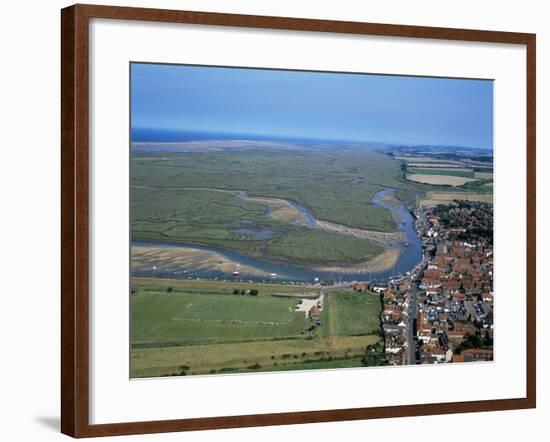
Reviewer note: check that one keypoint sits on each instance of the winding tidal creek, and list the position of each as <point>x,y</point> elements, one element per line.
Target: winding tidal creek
<point>189,261</point>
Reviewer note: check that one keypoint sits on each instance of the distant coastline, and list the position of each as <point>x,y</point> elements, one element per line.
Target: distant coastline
<point>161,135</point>
<point>140,136</point>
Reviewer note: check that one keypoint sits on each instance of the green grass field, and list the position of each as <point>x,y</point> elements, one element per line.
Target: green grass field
<point>196,216</point>
<point>212,331</point>
<point>352,313</point>
<point>272,355</point>
<point>313,246</point>
<point>161,318</point>
<point>240,309</point>
<point>314,364</point>
<point>163,284</point>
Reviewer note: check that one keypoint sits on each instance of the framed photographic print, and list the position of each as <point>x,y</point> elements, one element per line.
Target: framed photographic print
<point>307,220</point>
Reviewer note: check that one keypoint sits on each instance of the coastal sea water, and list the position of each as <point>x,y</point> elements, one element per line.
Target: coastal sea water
<point>156,135</point>
<point>410,254</point>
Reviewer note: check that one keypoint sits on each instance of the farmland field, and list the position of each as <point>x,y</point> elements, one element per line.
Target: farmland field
<point>461,172</point>
<point>352,313</point>
<point>484,175</point>
<point>199,325</point>
<point>269,355</point>
<point>439,180</point>
<point>436,164</point>
<point>434,198</point>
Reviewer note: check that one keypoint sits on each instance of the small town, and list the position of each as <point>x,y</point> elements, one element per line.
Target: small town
<point>442,311</point>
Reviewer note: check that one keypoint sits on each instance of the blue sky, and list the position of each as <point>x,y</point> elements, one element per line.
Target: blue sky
<point>330,106</point>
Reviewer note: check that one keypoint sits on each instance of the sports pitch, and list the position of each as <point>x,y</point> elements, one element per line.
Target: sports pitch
<point>236,309</point>
<point>162,318</point>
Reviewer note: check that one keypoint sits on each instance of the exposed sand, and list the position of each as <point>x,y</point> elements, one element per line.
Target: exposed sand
<point>389,199</point>
<point>210,145</point>
<point>184,258</point>
<point>427,160</point>
<point>382,237</point>
<point>144,258</point>
<point>282,209</point>
<point>384,261</point>
<point>440,180</point>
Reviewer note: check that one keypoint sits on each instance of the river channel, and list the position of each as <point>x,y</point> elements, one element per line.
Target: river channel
<point>410,254</point>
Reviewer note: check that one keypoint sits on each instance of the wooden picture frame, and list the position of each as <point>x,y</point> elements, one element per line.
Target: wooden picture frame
<point>75,219</point>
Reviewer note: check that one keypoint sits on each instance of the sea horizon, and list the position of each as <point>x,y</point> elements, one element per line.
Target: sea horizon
<point>166,135</point>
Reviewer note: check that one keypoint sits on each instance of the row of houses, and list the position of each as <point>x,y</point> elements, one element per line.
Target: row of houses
<point>454,298</point>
